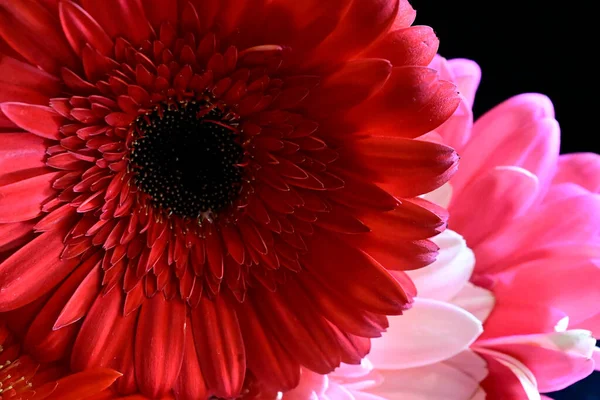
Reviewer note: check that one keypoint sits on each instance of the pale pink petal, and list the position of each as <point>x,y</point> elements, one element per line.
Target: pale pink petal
<point>365,396</point>
<point>348,372</point>
<point>469,363</point>
<point>438,381</point>
<point>440,196</point>
<point>580,168</point>
<point>596,358</point>
<point>450,272</point>
<point>491,202</point>
<point>311,386</point>
<point>429,332</point>
<point>520,132</point>
<point>570,287</point>
<point>440,64</point>
<point>476,300</point>
<point>556,359</point>
<point>337,392</point>
<point>479,395</point>
<point>467,75</point>
<point>540,233</point>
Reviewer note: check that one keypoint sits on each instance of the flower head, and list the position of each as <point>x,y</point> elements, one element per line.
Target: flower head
<point>510,307</point>
<point>202,193</point>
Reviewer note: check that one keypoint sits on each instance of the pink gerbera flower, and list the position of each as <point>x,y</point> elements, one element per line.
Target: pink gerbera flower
<point>203,193</point>
<point>509,308</point>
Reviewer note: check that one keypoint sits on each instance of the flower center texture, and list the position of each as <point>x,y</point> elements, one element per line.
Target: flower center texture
<point>187,158</point>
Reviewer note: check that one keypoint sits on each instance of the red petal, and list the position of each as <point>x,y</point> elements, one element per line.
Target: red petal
<point>105,334</point>
<point>41,341</point>
<point>268,360</point>
<point>413,102</point>
<point>234,243</point>
<point>300,328</point>
<point>23,23</point>
<point>159,11</point>
<point>410,46</point>
<point>39,120</point>
<point>85,384</point>
<point>33,270</point>
<point>351,273</point>
<point>18,73</point>
<point>160,338</point>
<point>336,309</point>
<point>82,298</point>
<point>355,82</point>
<point>408,167</point>
<point>190,383</point>
<point>14,235</point>
<point>125,18</point>
<point>362,194</point>
<point>80,29</point>
<point>22,200</point>
<point>20,151</point>
<point>364,22</point>
<point>220,347</point>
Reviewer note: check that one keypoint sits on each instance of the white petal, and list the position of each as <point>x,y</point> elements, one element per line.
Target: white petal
<point>478,301</point>
<point>447,276</point>
<point>429,332</point>
<point>438,381</point>
<point>440,196</point>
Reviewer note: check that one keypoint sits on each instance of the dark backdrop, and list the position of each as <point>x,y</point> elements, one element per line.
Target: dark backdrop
<point>528,46</point>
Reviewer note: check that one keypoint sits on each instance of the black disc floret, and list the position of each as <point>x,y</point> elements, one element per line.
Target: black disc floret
<point>186,158</point>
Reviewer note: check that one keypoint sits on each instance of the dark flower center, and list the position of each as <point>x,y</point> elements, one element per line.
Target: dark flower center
<point>186,158</point>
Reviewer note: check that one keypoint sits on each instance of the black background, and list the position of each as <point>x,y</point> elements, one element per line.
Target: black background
<point>529,46</point>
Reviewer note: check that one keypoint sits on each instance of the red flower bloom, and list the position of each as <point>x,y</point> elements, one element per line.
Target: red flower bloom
<point>190,188</point>
<point>23,378</point>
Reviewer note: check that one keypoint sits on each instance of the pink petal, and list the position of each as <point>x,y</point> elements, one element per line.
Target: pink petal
<point>476,300</point>
<point>557,359</point>
<point>591,324</point>
<point>564,285</point>
<point>596,358</point>
<point>492,201</point>
<point>450,272</point>
<point>456,131</point>
<point>521,132</point>
<point>467,75</point>
<point>429,332</point>
<point>540,233</point>
<point>580,168</point>
<point>508,378</point>
<point>513,317</point>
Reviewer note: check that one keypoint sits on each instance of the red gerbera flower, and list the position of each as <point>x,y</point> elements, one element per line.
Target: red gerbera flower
<point>23,378</point>
<point>197,192</point>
